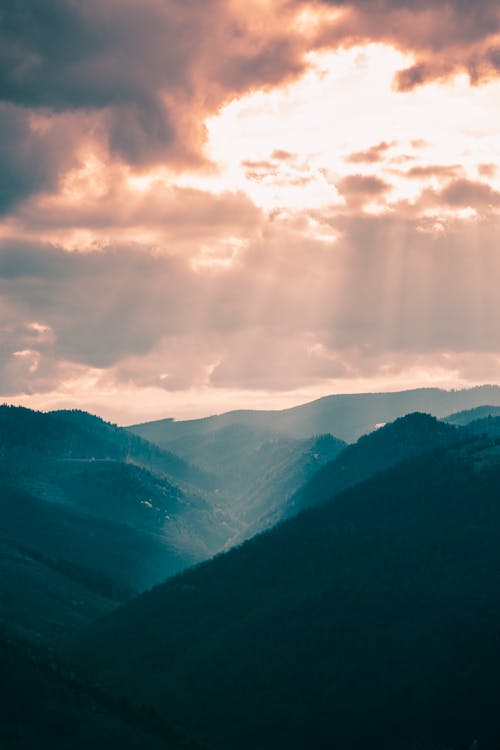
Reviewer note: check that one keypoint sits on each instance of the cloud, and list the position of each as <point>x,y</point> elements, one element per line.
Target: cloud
<point>287,312</point>
<point>439,171</point>
<point>179,219</point>
<point>281,155</point>
<point>487,170</point>
<point>453,197</point>
<point>358,189</point>
<point>372,155</point>
<point>260,170</point>
<point>103,104</point>
<point>142,77</point>
<point>153,69</point>
<point>445,38</point>
<point>100,306</point>
<point>358,184</point>
<point>469,193</point>
<point>32,155</point>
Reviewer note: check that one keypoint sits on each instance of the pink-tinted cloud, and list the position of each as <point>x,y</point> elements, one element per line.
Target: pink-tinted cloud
<point>154,69</point>
<point>192,289</point>
<point>287,313</point>
<point>371,155</point>
<point>441,171</point>
<point>469,193</point>
<point>445,38</point>
<point>143,76</point>
<point>178,217</point>
<point>364,185</point>
<point>487,170</point>
<point>358,189</point>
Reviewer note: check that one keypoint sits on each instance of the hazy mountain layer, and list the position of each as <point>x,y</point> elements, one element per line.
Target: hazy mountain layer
<point>345,416</point>
<point>462,418</point>
<point>257,470</point>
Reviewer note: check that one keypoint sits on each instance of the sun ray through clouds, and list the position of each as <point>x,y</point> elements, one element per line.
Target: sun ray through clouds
<point>301,200</point>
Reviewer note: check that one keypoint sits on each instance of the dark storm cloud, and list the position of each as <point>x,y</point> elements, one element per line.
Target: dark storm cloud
<point>31,160</point>
<point>96,56</point>
<point>446,37</point>
<point>150,72</point>
<point>156,68</point>
<point>20,260</point>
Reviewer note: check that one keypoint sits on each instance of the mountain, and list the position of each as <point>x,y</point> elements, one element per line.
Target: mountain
<point>489,426</point>
<point>369,623</point>
<point>257,470</point>
<point>484,420</point>
<point>84,524</point>
<point>345,416</point>
<point>405,438</point>
<point>463,418</point>
<point>44,707</point>
<point>77,434</point>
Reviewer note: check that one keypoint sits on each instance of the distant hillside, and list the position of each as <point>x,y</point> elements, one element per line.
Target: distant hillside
<point>257,470</point>
<point>407,437</point>
<point>370,623</point>
<point>89,515</point>
<point>463,418</point>
<point>345,416</point>
<point>43,708</point>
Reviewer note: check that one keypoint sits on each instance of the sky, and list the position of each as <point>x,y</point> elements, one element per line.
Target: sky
<point>215,204</point>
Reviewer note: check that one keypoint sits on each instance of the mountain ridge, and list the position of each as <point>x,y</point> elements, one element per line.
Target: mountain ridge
<point>347,416</point>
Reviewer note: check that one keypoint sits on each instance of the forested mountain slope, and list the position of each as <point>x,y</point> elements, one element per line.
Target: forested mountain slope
<point>407,437</point>
<point>463,418</point>
<point>44,708</point>
<point>370,623</point>
<point>25,433</point>
<point>84,523</point>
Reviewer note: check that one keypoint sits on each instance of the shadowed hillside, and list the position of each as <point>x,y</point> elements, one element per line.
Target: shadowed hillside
<point>25,433</point>
<point>405,438</point>
<point>370,623</point>
<point>89,515</point>
<point>42,707</point>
